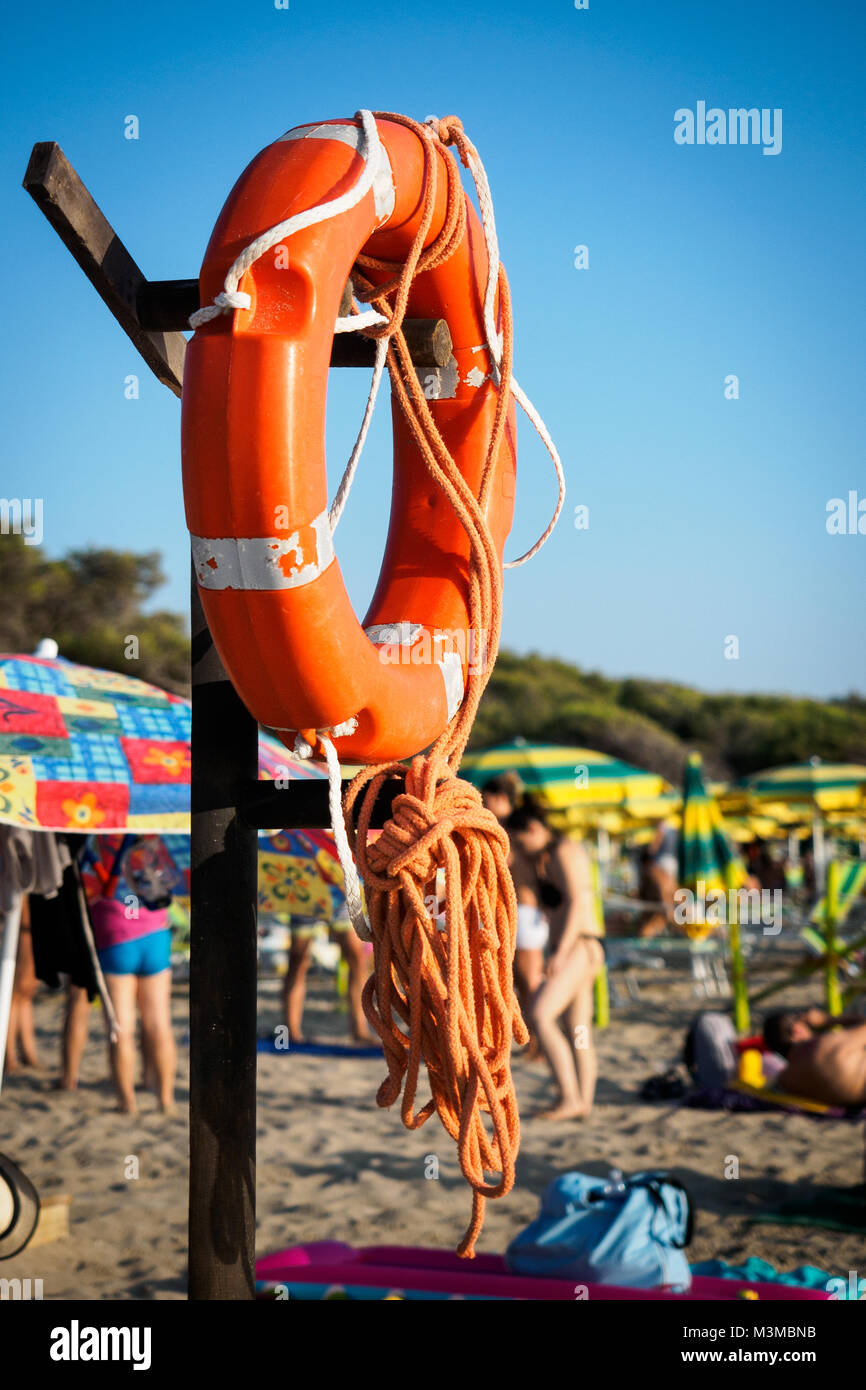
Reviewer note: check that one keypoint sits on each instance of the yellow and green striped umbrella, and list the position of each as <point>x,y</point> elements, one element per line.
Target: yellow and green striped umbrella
<point>706,854</point>
<point>561,777</point>
<point>824,786</point>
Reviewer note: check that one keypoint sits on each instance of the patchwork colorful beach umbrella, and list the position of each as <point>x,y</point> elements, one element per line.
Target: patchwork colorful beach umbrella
<point>561,777</point>
<point>300,875</point>
<point>706,855</point>
<point>89,750</point>
<point>98,751</point>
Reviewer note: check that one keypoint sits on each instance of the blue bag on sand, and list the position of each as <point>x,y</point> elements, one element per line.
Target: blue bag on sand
<point>625,1231</point>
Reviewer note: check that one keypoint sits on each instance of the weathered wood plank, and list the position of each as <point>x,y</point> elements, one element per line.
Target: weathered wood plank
<point>168,304</point>
<point>60,194</point>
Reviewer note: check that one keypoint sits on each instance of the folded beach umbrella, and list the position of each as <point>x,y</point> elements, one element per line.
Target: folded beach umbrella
<point>708,863</point>
<point>98,751</point>
<point>706,855</point>
<point>560,777</point>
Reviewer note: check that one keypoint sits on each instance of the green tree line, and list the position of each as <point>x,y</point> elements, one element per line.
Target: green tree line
<point>655,724</point>
<point>92,600</point>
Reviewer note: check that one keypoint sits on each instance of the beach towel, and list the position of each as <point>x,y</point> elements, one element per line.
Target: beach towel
<point>312,1049</point>
<point>739,1096</point>
<point>755,1271</point>
<point>331,1269</point>
<point>831,1209</point>
<point>58,936</point>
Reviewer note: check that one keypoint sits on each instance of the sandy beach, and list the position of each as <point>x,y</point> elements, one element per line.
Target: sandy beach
<point>331,1165</point>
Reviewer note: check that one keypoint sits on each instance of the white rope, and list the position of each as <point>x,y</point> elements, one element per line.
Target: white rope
<point>541,429</point>
<point>231,298</point>
<point>494,338</point>
<point>351,322</point>
<point>351,883</point>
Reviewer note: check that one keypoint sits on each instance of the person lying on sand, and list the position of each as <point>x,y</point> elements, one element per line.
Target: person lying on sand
<point>826,1056</point>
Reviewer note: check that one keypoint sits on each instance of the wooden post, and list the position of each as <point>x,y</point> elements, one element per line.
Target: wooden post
<point>223,983</point>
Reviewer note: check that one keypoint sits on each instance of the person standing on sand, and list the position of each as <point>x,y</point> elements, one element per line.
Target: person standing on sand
<point>500,795</point>
<point>356,955</point>
<point>133,942</point>
<point>563,875</point>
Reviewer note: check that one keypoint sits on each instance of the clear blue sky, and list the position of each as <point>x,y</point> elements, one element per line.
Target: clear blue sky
<point>707,516</point>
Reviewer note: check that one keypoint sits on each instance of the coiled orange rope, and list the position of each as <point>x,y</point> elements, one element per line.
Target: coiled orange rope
<point>452,987</point>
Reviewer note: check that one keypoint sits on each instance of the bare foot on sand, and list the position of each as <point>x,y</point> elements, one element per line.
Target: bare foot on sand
<point>563,1111</point>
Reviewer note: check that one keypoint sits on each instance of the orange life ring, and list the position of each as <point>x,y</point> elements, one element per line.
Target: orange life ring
<point>253,454</point>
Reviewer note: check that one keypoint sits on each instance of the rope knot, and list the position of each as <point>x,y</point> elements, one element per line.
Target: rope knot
<point>412,841</point>
<point>448,129</point>
<point>437,810</point>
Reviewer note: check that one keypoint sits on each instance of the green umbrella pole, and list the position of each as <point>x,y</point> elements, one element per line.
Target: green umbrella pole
<point>832,992</point>
<point>735,949</point>
<point>601,999</point>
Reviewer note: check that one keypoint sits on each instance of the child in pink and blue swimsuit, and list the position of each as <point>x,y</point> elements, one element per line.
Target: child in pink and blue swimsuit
<point>134,945</point>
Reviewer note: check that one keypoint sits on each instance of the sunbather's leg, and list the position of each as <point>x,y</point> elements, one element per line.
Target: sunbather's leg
<point>528,978</point>
<point>154,1002</point>
<point>295,985</point>
<point>358,961</point>
<point>551,1001</point>
<point>75,1028</point>
<point>122,989</point>
<point>580,1017</point>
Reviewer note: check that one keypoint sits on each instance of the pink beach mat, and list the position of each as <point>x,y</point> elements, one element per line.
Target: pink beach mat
<point>396,1267</point>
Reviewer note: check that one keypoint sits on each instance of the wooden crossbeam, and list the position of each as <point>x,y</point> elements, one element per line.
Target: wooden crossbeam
<point>304,805</point>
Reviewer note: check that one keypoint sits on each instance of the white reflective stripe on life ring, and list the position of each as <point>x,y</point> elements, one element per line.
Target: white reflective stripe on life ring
<point>350,134</point>
<point>404,634</point>
<point>264,562</point>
